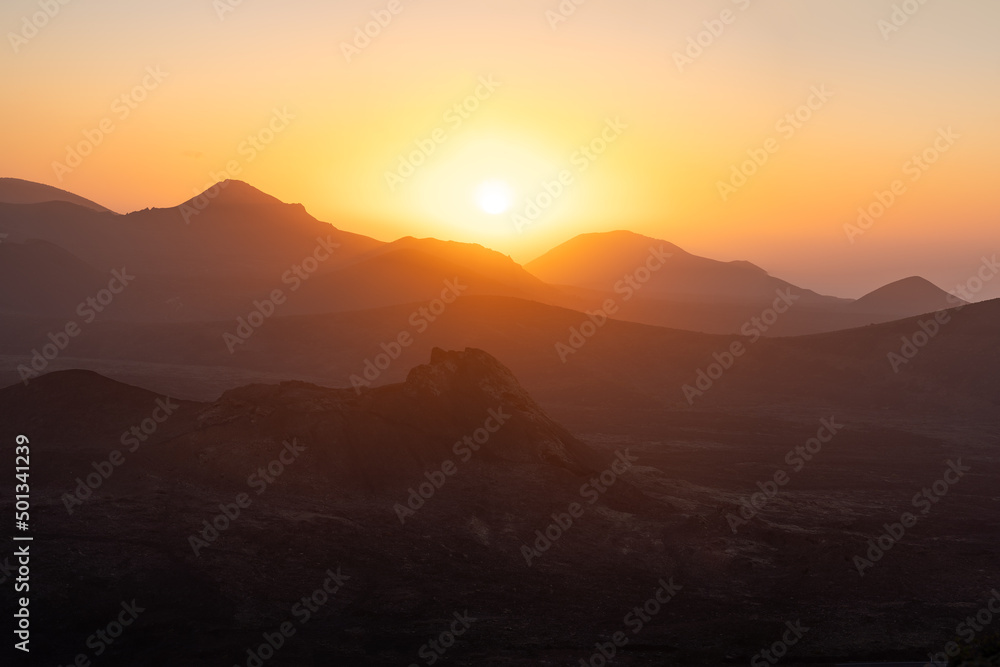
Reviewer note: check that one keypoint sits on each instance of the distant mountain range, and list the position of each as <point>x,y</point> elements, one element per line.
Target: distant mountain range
<point>210,257</point>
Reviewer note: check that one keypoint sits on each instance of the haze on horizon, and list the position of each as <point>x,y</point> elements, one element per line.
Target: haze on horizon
<point>210,77</point>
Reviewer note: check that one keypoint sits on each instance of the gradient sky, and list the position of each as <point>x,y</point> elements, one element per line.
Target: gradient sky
<point>558,88</point>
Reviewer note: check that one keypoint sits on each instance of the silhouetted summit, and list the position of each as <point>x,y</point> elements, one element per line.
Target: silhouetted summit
<point>462,406</point>
<point>906,297</point>
<point>377,437</point>
<point>232,192</point>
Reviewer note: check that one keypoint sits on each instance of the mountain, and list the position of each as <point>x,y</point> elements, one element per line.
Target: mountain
<point>906,297</point>
<point>18,191</point>
<point>213,256</point>
<point>238,231</point>
<point>599,261</point>
<point>207,258</point>
<point>473,257</point>
<point>417,271</point>
<point>367,441</point>
<point>656,282</point>
<point>699,294</point>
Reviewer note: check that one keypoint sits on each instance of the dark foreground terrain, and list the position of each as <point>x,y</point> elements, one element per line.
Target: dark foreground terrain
<point>651,545</point>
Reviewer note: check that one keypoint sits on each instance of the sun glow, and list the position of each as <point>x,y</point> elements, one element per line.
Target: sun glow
<point>494,197</point>
<point>474,185</point>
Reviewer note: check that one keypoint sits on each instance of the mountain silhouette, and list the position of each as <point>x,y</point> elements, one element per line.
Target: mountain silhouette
<point>906,297</point>
<point>19,191</point>
<point>598,261</point>
<point>215,255</point>
<point>371,441</point>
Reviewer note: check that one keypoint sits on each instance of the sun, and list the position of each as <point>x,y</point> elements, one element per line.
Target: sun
<point>494,197</point>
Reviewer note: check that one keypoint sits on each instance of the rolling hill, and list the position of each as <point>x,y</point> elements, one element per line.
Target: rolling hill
<point>19,191</point>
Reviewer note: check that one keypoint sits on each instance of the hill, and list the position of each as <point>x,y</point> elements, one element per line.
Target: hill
<point>18,191</point>
<point>913,295</point>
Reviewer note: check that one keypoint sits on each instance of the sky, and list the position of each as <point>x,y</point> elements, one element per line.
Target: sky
<point>737,129</point>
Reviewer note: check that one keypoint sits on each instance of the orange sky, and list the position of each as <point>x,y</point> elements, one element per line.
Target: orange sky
<point>672,133</point>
